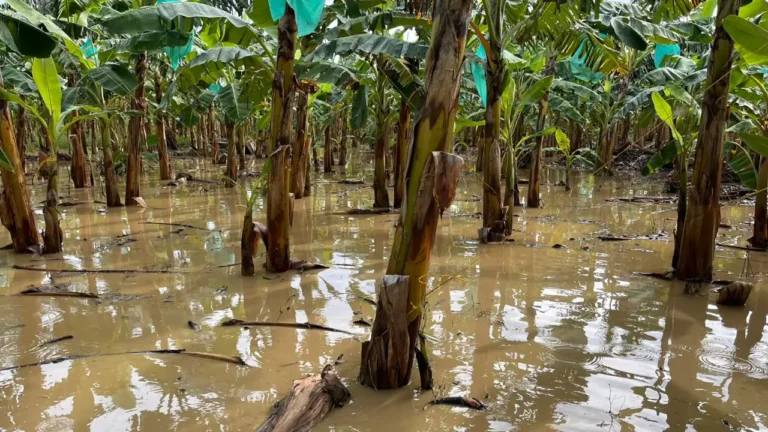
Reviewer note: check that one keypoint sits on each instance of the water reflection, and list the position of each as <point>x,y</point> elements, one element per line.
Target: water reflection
<point>550,338</point>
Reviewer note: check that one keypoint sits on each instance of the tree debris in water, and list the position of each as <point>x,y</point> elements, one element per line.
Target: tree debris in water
<point>735,294</point>
<point>61,290</point>
<point>178,225</point>
<point>369,211</point>
<point>56,340</point>
<point>351,182</point>
<point>106,271</point>
<point>302,266</point>
<point>361,322</point>
<point>304,326</point>
<point>662,276</point>
<point>310,400</point>
<point>193,325</point>
<point>210,356</point>
<point>459,401</point>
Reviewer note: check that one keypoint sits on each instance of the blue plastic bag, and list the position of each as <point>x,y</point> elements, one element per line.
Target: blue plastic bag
<point>175,54</point>
<point>478,75</point>
<point>662,51</point>
<point>308,13</point>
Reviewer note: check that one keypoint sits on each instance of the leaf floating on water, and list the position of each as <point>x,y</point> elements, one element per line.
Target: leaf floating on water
<point>213,356</point>
<point>53,341</point>
<point>302,266</point>
<point>193,325</point>
<point>140,201</point>
<point>460,402</point>
<point>221,289</point>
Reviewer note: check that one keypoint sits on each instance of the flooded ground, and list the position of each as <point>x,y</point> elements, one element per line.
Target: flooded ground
<point>549,338</point>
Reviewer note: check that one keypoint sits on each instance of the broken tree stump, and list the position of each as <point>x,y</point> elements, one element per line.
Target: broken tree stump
<point>385,359</point>
<point>310,401</point>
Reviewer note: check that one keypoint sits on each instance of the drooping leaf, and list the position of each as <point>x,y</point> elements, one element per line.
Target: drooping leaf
<point>743,127</point>
<point>326,72</point>
<point>157,18</point>
<point>568,87</point>
<point>563,142</point>
<point>663,75</point>
<point>665,156</point>
<point>152,41</point>
<point>359,115</point>
<point>563,107</point>
<point>115,78</point>
<point>227,100</point>
<point>189,117</point>
<point>740,161</point>
<point>664,111</point>
<point>756,143</point>
<point>629,36</point>
<point>24,38</point>
<point>636,102</point>
<point>537,90</point>
<point>751,39</point>
<point>47,81</point>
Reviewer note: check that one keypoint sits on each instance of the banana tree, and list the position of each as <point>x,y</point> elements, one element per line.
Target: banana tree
<point>683,124</point>
<point>16,214</point>
<point>584,155</point>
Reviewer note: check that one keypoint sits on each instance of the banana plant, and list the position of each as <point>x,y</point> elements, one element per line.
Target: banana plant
<point>683,124</point>
<point>586,156</point>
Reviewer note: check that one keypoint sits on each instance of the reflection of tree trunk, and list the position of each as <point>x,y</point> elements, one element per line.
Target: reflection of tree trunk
<point>703,218</point>
<point>760,230</point>
<point>401,150</point>
<point>15,206</point>
<point>300,149</point>
<point>387,358</point>
<point>278,205</point>
<point>136,126</point>
<point>231,171</point>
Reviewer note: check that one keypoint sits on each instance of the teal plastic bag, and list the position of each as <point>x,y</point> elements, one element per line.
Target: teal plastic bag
<point>179,52</point>
<point>662,51</point>
<point>175,54</point>
<point>308,13</point>
<point>478,75</point>
<point>215,88</point>
<point>580,70</point>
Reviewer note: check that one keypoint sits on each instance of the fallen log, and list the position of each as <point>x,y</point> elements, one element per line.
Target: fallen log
<point>56,340</point>
<point>178,225</point>
<point>107,271</point>
<point>369,211</point>
<point>55,291</point>
<point>311,399</point>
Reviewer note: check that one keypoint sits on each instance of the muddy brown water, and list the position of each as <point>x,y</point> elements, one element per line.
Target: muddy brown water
<point>549,339</point>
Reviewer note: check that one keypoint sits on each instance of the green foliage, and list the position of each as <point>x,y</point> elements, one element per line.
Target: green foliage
<point>359,108</point>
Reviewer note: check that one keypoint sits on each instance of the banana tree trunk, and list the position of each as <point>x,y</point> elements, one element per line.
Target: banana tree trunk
<point>327,150</point>
<point>15,206</point>
<point>300,150</point>
<point>431,179</point>
<point>534,181</point>
<point>202,136</point>
<point>53,237</point>
<point>702,220</point>
<point>343,138</point>
<point>307,182</point>
<point>278,198</point>
<point>231,171</point>
<point>162,144</point>
<point>136,127</point>
<point>401,150</point>
<point>77,168</point>
<point>110,178</point>
<point>492,213</point>
<point>682,205</point>
<point>241,145</point>
<point>21,137</point>
<point>759,237</point>
<point>213,140</point>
